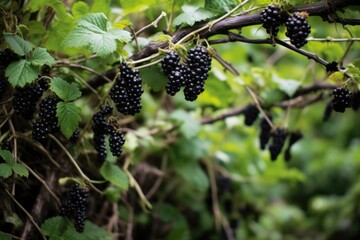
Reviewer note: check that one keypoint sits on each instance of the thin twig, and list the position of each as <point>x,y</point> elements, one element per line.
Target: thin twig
<point>152,24</point>
<point>75,65</point>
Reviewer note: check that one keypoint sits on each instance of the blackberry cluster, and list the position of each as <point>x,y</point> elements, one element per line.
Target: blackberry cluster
<point>251,113</point>
<point>271,19</point>
<point>277,143</point>
<point>101,128</point>
<point>47,122</point>
<point>7,56</point>
<point>293,138</point>
<point>265,133</point>
<point>341,99</point>
<point>127,90</point>
<point>174,71</point>
<point>75,206</point>
<point>298,29</point>
<point>199,64</point>
<point>25,99</point>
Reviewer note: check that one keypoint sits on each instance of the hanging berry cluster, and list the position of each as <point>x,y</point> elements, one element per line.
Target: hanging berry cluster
<point>297,27</point>
<point>191,76</point>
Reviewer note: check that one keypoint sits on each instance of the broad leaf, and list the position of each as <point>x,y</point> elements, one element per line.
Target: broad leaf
<point>288,86</point>
<point>68,115</point>
<point>55,226</point>
<point>79,9</point>
<point>21,72</point>
<point>41,57</point>
<point>115,175</point>
<point>194,175</point>
<point>4,236</point>
<point>101,6</point>
<point>192,15</point>
<point>219,6</point>
<point>65,90</point>
<point>57,5</point>
<point>154,78</point>
<point>17,44</point>
<point>5,170</point>
<point>189,126</point>
<point>92,32</point>
<point>91,232</point>
<point>7,156</point>
<point>20,170</point>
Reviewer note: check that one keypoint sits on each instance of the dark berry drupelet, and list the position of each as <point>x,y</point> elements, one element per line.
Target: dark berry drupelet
<point>116,141</point>
<point>170,62</point>
<point>327,112</point>
<point>341,99</point>
<point>293,138</point>
<point>198,66</point>
<point>106,110</point>
<point>332,67</point>
<point>278,139</point>
<point>75,206</point>
<point>127,90</point>
<point>176,79</point>
<point>7,56</point>
<point>251,113</point>
<point>298,29</point>
<point>40,130</point>
<point>99,142</point>
<point>75,135</point>
<point>25,99</point>
<point>271,19</point>
<point>265,133</point>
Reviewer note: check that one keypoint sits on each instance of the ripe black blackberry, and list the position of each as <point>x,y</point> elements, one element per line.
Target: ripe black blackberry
<point>75,206</point>
<point>75,135</point>
<point>25,99</point>
<point>176,79</point>
<point>170,62</point>
<point>341,99</point>
<point>271,19</point>
<point>298,29</point>
<point>99,142</point>
<point>265,133</point>
<point>127,90</point>
<point>198,66</point>
<point>106,110</point>
<point>251,113</point>
<point>293,138</point>
<point>116,141</point>
<point>7,56</point>
<point>277,143</point>
<point>332,67</point>
<point>40,130</point>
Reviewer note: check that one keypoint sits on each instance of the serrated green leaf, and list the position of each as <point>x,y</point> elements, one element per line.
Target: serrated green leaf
<point>194,175</point>
<point>68,115</point>
<point>189,127</point>
<point>41,57</point>
<point>4,236</point>
<point>5,170</point>
<point>20,73</point>
<point>79,9</point>
<point>217,93</point>
<point>17,44</point>
<point>101,6</point>
<point>220,6</point>
<point>20,170</point>
<point>57,5</point>
<point>91,232</point>
<point>93,32</point>
<point>65,90</point>
<point>288,86</point>
<point>192,15</point>
<point>7,156</point>
<point>54,226</point>
<point>115,175</point>
<point>154,77</point>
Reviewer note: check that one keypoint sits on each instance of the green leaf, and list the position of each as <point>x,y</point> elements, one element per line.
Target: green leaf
<point>189,127</point>
<point>17,44</point>
<point>21,72</point>
<point>91,232</point>
<point>79,9</point>
<point>4,236</point>
<point>68,115</point>
<point>101,6</point>
<point>54,226</point>
<point>57,5</point>
<point>192,15</point>
<point>288,86</point>
<point>20,170</point>
<point>154,77</point>
<point>92,32</point>
<point>217,93</point>
<point>5,170</point>
<point>65,90</point>
<point>41,57</point>
<point>115,175</point>
<point>192,173</point>
<point>7,156</point>
<point>219,6</point>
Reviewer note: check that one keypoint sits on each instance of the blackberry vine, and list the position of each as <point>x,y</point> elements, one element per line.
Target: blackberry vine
<point>341,99</point>
<point>75,207</point>
<point>127,90</point>
<point>298,29</point>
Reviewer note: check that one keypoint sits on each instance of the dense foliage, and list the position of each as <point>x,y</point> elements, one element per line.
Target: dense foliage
<point>159,119</point>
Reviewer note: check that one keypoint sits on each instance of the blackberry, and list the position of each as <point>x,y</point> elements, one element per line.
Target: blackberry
<point>251,113</point>
<point>116,141</point>
<point>271,19</point>
<point>355,101</point>
<point>327,112</point>
<point>75,135</point>
<point>3,82</point>
<point>341,99</point>
<point>293,138</point>
<point>332,67</point>
<point>99,143</point>
<point>40,130</point>
<point>298,29</point>
<point>127,90</point>
<point>265,133</point>
<point>106,110</point>
<point>6,146</point>
<point>176,80</point>
<point>198,66</point>
<point>277,143</point>
<point>7,56</point>
<point>25,99</point>
<point>170,62</point>
<point>75,206</point>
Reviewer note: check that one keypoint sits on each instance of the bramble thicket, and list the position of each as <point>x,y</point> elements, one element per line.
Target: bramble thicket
<point>165,119</point>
